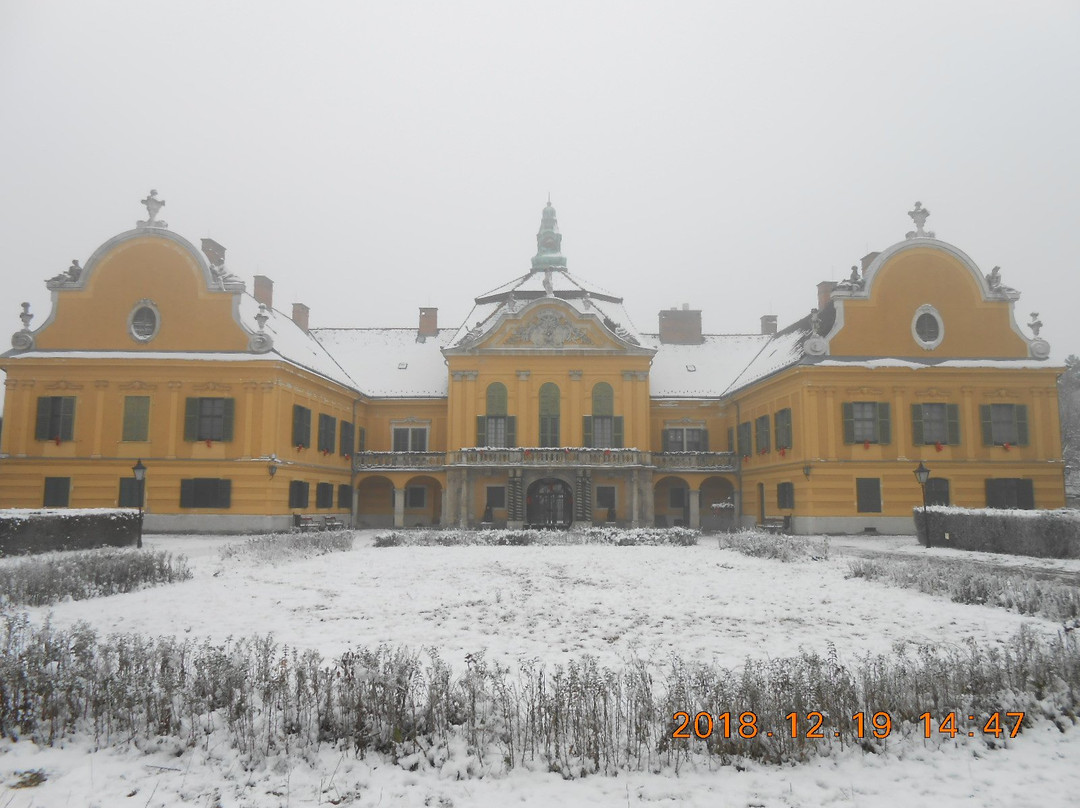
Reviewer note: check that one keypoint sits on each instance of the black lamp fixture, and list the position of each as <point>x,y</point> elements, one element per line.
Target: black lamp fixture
<point>272,466</point>
<point>806,470</point>
<point>922,475</point>
<point>139,470</point>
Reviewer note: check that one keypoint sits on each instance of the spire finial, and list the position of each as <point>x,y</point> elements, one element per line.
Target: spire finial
<point>548,242</point>
<point>919,216</point>
<point>153,207</point>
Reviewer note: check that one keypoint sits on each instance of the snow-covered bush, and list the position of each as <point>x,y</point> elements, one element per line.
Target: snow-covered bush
<point>1044,534</point>
<point>680,536</point>
<point>276,547</point>
<point>48,529</point>
<point>772,545</point>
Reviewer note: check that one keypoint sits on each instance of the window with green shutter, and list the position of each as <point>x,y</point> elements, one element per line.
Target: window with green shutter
<point>301,426</point>
<point>327,433</point>
<point>761,434</point>
<point>348,439</point>
<point>136,418</point>
<point>744,439</point>
<point>205,492</point>
<point>344,497</point>
<point>55,418</point>
<point>324,495</point>
<point>1010,493</point>
<point>1004,424</point>
<point>782,421</point>
<point>209,419</point>
<point>130,493</point>
<point>785,495</point>
<point>603,429</point>
<point>298,494</point>
<point>868,494</point>
<point>57,492</point>
<point>549,414</point>
<point>935,423</point>
<point>867,422</point>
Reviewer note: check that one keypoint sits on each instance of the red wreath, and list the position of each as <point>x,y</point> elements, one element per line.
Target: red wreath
<point>209,442</point>
<point>57,439</point>
<point>866,444</point>
<point>528,452</point>
<point>937,446</point>
<point>325,452</point>
<point>1006,446</point>
<point>299,446</point>
<point>783,451</point>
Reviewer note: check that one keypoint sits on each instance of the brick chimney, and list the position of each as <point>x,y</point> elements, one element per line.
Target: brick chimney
<point>681,326</point>
<point>768,324</point>
<point>824,290</point>
<point>264,291</point>
<point>300,315</point>
<point>214,252</point>
<point>429,323</point>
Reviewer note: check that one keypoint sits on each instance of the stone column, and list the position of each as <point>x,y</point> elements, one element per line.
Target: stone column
<point>515,501</point>
<point>583,498</point>
<point>695,508</point>
<point>399,506</point>
<point>99,415</point>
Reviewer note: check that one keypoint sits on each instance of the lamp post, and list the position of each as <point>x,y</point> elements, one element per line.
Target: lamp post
<point>922,474</point>
<point>139,470</point>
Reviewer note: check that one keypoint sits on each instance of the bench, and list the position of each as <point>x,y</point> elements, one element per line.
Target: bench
<point>776,524</point>
<point>304,523</point>
<point>332,523</point>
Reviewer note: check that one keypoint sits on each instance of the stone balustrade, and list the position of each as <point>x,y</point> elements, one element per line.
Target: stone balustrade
<point>534,456</point>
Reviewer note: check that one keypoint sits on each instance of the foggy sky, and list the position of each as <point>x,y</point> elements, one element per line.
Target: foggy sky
<point>372,158</point>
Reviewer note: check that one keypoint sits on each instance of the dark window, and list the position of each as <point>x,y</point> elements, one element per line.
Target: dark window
<point>867,422</point>
<point>55,418</point>
<point>361,444</point>
<point>496,496</point>
<point>130,493</point>
<point>344,497</point>
<point>298,494</point>
<point>676,497</point>
<point>745,434</point>
<point>136,418</point>
<point>1010,493</point>
<point>935,423</point>
<point>603,399</point>
<point>937,491</point>
<point>1004,423</point>
<point>761,430</point>
<point>301,426</point>
<point>209,419</point>
<point>785,495</point>
<point>927,327</point>
<point>549,414</point>
<point>348,439</point>
<point>327,433</point>
<point>57,492</point>
<point>684,439</point>
<point>605,497</point>
<point>415,496</point>
<point>868,494</point>
<point>324,495</point>
<point>144,323</point>
<point>410,439</point>
<point>496,430</point>
<point>602,431</point>
<point>783,429</point>
<point>731,439</point>
<point>205,492</point>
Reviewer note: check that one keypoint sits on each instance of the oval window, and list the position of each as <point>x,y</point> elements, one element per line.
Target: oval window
<point>927,327</point>
<point>144,322</point>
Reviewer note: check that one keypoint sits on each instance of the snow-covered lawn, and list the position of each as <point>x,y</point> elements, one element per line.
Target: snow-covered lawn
<point>553,604</point>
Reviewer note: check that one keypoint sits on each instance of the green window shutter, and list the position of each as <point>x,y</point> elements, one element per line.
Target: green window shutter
<point>916,424</point>
<point>731,439</point>
<point>617,432</point>
<point>224,491</point>
<point>511,431</point>
<point>987,426</point>
<point>849,422</point>
<point>1020,414</point>
<point>586,430</point>
<point>363,440</point>
<point>481,430</point>
<point>1025,495</point>
<point>187,492</point>
<point>301,426</point>
<point>136,418</point>
<point>704,440</point>
<point>44,408</point>
<point>952,416</point>
<point>191,423</point>
<point>227,420</point>
<point>67,417</point>
<point>884,425</point>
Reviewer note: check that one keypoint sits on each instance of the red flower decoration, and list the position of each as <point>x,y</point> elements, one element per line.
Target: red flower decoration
<point>57,439</point>
<point>783,452</point>
<point>1006,446</point>
<point>938,446</point>
<point>866,444</point>
<point>325,452</point>
<point>209,442</point>
<point>348,456</point>
<point>528,452</point>
<point>299,446</point>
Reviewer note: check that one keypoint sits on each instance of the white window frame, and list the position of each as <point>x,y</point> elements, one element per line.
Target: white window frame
<point>927,345</point>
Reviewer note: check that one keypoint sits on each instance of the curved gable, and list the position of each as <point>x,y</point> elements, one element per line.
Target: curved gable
<point>926,276</point>
<point>150,267</point>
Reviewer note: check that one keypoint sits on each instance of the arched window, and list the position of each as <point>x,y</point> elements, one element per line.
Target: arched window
<point>144,321</point>
<point>603,429</point>
<point>549,414</point>
<point>495,427</point>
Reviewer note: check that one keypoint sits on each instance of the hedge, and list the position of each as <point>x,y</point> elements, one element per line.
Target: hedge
<point>42,531</point>
<point>1044,534</point>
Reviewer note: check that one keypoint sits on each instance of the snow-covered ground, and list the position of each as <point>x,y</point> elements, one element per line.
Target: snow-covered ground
<point>554,604</point>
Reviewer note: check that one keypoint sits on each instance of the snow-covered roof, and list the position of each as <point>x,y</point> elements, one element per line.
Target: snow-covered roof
<point>390,362</point>
<point>704,370</point>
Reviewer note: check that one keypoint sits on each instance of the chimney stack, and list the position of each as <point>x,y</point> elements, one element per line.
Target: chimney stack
<point>429,323</point>
<point>300,315</point>
<point>824,290</point>
<point>768,324</point>
<point>264,291</point>
<point>214,252</point>
<point>681,326</point>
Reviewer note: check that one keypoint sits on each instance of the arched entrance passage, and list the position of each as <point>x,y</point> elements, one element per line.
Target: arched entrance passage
<point>549,503</point>
<point>717,504</point>
<point>375,502</point>
<point>671,502</point>
<point>423,502</point>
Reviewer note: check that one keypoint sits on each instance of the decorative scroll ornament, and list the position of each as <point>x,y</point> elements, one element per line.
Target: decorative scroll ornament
<point>919,216</point>
<point>261,342</point>
<point>549,330</point>
<point>153,207</point>
<point>24,340</point>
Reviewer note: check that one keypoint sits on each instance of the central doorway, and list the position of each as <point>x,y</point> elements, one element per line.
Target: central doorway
<point>549,503</point>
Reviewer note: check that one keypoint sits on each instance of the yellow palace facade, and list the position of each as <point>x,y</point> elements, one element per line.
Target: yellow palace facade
<point>546,407</point>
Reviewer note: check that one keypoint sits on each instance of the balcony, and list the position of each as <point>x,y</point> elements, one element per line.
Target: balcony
<point>547,457</point>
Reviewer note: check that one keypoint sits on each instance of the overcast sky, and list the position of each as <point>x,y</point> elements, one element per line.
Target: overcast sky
<point>372,158</point>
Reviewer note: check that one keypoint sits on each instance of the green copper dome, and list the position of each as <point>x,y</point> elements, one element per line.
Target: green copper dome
<point>548,243</point>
